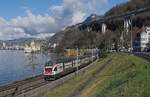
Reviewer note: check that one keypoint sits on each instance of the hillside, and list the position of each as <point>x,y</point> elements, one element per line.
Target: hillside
<point>57,37</point>
<point>88,34</point>
<point>128,6</point>
<point>120,75</point>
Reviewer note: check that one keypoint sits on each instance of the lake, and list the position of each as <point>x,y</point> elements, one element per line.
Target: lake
<point>17,65</point>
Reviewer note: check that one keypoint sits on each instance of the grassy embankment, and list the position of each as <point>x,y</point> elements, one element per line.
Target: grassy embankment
<point>125,76</point>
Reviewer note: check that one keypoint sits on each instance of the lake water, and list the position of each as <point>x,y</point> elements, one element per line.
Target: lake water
<point>17,65</point>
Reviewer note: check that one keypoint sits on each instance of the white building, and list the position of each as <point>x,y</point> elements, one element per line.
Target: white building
<point>33,47</point>
<point>4,45</point>
<point>144,38</point>
<point>54,45</point>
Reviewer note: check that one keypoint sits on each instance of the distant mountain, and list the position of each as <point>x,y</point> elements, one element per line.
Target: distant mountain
<point>92,17</point>
<point>21,41</point>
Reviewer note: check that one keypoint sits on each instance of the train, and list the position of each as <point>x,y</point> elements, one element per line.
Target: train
<point>61,67</point>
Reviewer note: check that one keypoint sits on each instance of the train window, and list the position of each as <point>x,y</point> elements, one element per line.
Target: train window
<point>60,67</point>
<point>55,69</point>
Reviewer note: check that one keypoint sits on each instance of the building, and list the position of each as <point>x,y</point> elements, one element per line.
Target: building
<point>4,45</point>
<point>33,47</point>
<point>142,39</point>
<point>54,45</point>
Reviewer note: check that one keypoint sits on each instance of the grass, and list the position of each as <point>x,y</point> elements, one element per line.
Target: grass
<point>126,76</point>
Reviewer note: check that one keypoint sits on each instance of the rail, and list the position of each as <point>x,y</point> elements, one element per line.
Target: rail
<point>26,88</point>
<point>145,55</point>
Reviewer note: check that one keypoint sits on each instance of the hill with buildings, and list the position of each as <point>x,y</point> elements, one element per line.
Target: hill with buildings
<point>20,43</point>
<point>88,34</point>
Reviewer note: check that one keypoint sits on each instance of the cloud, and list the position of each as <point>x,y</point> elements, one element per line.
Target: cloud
<point>43,35</point>
<point>11,32</point>
<point>27,26</point>
<point>71,12</point>
<point>68,13</point>
<point>35,24</point>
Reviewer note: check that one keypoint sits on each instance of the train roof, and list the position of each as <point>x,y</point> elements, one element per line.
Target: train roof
<point>65,59</point>
<point>62,60</point>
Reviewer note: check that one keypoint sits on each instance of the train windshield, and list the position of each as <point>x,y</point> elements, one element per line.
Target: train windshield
<point>48,70</point>
<point>49,63</point>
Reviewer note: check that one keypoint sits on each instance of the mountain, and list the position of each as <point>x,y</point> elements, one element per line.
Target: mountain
<point>21,41</point>
<point>128,6</point>
<point>92,17</point>
<point>79,35</point>
<point>57,37</point>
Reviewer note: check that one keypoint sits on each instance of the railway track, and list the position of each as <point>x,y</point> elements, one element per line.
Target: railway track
<point>24,86</point>
<point>145,55</point>
<point>78,91</point>
<point>20,88</point>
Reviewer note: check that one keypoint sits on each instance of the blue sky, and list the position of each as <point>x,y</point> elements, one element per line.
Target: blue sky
<point>11,9</point>
<point>40,18</point>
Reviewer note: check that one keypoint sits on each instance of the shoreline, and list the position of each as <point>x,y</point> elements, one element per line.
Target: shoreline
<point>19,82</point>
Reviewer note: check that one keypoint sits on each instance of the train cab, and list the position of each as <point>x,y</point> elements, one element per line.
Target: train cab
<point>60,67</point>
<point>52,70</point>
<point>48,68</point>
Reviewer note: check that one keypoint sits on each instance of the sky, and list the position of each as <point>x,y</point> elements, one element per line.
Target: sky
<point>43,18</point>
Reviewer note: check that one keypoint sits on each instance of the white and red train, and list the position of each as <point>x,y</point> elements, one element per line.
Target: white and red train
<point>58,68</point>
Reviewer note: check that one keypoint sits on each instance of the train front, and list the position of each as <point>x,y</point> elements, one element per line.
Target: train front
<point>48,70</point>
